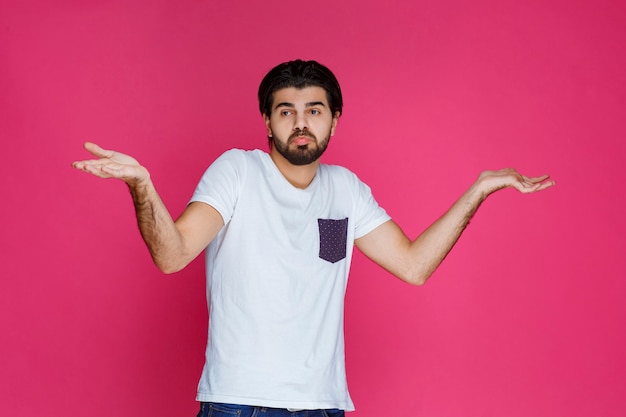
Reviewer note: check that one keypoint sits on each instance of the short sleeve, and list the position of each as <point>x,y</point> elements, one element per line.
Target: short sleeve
<point>369,214</point>
<point>220,184</point>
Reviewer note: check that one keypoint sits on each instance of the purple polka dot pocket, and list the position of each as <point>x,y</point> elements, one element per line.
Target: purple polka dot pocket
<point>333,239</point>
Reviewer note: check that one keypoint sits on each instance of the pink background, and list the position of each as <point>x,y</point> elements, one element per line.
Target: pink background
<point>526,317</point>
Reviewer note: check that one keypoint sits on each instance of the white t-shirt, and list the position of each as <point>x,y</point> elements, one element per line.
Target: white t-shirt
<point>276,279</point>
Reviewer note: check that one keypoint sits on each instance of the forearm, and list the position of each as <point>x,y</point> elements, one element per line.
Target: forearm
<point>172,244</point>
<point>157,227</point>
<point>432,246</point>
<point>415,261</point>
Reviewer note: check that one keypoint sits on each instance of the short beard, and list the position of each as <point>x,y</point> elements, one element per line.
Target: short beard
<point>301,155</point>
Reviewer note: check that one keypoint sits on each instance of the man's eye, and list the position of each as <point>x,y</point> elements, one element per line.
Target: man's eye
<point>285,113</point>
<point>315,111</point>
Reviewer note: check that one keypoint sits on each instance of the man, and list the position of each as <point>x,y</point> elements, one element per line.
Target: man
<point>279,230</point>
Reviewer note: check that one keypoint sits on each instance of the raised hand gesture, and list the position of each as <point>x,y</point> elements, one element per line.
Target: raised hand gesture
<point>414,261</point>
<point>491,181</point>
<point>112,164</point>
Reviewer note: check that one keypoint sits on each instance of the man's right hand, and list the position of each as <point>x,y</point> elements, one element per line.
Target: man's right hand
<point>113,164</point>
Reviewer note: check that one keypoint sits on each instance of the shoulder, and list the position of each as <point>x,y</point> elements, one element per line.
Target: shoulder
<point>340,173</point>
<point>240,157</point>
<point>337,171</point>
<point>239,154</point>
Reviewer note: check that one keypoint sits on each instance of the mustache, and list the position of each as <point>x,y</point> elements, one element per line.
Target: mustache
<point>301,132</point>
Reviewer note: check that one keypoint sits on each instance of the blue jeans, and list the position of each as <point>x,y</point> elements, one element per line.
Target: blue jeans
<point>233,410</point>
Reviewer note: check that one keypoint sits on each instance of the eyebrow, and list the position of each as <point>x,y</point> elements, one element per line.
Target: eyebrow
<point>309,104</point>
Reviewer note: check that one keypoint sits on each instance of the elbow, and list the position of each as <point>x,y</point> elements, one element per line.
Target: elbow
<point>168,267</point>
<point>168,270</point>
<point>172,260</point>
<point>417,280</point>
<point>416,276</point>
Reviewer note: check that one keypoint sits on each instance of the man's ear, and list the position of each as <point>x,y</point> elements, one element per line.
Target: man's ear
<point>333,126</point>
<point>268,125</point>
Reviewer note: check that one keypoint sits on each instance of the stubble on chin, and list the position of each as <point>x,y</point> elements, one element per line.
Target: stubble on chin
<point>301,154</point>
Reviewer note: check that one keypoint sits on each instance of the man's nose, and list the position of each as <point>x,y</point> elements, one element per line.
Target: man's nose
<point>301,122</point>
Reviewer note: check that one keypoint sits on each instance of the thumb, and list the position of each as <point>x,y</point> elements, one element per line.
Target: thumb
<point>96,150</point>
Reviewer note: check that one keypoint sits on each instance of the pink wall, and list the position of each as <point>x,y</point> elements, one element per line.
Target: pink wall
<point>525,318</point>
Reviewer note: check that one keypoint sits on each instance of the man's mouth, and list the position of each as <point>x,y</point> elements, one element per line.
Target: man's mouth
<point>301,138</point>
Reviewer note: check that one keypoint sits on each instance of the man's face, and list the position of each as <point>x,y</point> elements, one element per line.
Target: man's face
<point>301,124</point>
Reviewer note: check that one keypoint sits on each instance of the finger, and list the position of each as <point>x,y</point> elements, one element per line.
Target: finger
<point>538,179</point>
<point>90,163</point>
<point>98,151</point>
<point>526,187</point>
<point>92,167</point>
<point>546,184</point>
<point>82,164</point>
<point>115,171</point>
<point>536,187</point>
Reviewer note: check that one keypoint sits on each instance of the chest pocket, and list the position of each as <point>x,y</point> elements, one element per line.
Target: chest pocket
<point>333,239</point>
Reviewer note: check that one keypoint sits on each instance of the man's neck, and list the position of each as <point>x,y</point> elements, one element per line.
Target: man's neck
<point>300,176</point>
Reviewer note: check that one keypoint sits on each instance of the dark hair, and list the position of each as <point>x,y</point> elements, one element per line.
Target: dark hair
<point>299,74</point>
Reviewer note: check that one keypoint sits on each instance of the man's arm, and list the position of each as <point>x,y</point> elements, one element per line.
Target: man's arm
<point>172,244</point>
<point>415,261</point>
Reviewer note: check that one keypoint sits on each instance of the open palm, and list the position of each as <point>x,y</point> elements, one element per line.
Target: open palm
<point>112,164</point>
